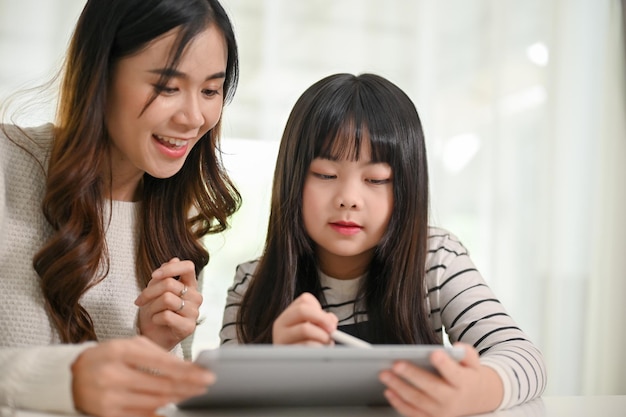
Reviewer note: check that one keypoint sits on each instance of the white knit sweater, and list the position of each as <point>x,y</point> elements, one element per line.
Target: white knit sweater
<point>35,368</point>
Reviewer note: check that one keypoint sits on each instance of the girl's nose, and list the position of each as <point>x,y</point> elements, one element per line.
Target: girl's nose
<point>348,197</point>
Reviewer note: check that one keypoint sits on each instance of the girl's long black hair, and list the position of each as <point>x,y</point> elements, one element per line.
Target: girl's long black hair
<point>330,119</point>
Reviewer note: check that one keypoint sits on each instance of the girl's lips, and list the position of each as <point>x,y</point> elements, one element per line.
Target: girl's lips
<point>346,228</point>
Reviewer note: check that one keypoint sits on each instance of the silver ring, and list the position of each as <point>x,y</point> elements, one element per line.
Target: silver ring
<point>151,371</point>
<point>182,305</point>
<point>183,291</point>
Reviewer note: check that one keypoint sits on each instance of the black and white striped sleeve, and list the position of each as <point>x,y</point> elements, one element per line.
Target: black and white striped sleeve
<point>461,302</point>
<point>243,274</point>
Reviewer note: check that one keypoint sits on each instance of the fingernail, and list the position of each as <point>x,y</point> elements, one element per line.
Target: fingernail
<point>208,378</point>
<point>399,367</point>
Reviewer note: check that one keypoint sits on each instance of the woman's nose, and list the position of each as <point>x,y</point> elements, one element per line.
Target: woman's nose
<point>190,114</point>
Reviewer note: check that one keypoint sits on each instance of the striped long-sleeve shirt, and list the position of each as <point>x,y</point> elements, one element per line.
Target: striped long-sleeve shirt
<point>459,303</point>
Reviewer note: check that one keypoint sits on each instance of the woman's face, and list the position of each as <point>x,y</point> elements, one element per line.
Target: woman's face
<point>158,140</point>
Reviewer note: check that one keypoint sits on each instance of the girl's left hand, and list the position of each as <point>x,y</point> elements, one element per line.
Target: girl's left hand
<point>461,388</point>
<point>169,307</point>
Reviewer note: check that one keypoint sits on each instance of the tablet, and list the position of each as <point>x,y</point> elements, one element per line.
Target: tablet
<point>266,375</point>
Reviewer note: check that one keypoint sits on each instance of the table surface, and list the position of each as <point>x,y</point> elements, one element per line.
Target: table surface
<point>574,406</point>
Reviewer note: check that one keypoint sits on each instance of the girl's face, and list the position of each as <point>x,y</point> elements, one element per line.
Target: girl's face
<point>158,140</point>
<point>346,207</point>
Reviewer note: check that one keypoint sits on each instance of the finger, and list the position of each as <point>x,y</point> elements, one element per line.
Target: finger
<point>142,396</point>
<point>108,376</point>
<point>305,333</point>
<point>410,393</point>
<point>142,353</point>
<point>471,357</point>
<point>169,302</point>
<point>179,326</point>
<point>306,308</point>
<point>451,370</point>
<point>436,390</point>
<point>415,376</point>
<point>402,407</point>
<point>157,288</point>
<point>157,382</point>
<point>184,270</point>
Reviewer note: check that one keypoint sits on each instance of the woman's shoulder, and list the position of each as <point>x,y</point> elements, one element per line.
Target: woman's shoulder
<point>26,143</point>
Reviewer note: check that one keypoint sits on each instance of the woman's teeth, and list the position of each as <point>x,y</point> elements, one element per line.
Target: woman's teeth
<point>173,142</point>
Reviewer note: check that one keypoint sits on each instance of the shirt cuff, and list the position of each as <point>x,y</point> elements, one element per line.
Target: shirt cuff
<point>43,377</point>
<point>506,383</point>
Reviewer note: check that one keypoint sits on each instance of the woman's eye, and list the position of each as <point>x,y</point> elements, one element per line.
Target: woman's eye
<point>163,89</point>
<point>210,93</point>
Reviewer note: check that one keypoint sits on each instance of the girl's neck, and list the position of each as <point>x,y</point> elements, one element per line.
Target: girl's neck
<point>344,267</point>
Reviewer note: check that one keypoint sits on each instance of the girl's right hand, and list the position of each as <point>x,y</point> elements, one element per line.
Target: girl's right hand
<point>305,323</point>
<point>133,377</point>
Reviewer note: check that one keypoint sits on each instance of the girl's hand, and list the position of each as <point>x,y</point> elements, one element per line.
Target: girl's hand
<point>126,377</point>
<point>462,388</point>
<point>304,322</point>
<point>169,307</point>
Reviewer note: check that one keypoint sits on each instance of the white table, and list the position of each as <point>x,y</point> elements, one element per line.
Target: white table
<point>596,406</point>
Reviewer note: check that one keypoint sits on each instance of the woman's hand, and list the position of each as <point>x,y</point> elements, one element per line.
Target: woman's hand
<point>170,305</point>
<point>126,377</point>
<point>461,388</point>
<point>304,322</point>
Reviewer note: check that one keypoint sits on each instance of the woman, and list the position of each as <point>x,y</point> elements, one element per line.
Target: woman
<point>102,213</point>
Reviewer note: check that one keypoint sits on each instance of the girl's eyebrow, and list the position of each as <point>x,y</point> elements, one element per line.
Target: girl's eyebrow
<point>174,73</point>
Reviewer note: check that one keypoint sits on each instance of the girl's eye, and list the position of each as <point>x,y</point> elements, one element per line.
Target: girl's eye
<point>379,181</point>
<point>323,176</point>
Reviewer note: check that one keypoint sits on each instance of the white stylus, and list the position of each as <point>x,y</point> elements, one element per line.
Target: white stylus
<point>348,340</point>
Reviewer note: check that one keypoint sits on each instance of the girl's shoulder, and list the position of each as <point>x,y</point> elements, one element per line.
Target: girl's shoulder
<point>243,274</point>
<point>446,255</point>
<point>247,268</point>
<point>24,144</point>
<point>440,239</point>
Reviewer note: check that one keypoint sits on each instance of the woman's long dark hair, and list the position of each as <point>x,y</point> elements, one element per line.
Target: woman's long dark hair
<point>330,119</point>
<point>70,261</point>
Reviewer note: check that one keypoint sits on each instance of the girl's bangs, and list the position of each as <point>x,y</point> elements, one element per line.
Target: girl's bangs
<point>343,142</point>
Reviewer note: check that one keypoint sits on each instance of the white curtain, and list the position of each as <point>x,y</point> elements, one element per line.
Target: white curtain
<point>604,369</point>
<point>523,106</point>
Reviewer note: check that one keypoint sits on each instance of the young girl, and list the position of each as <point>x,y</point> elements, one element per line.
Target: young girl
<point>348,246</point>
<point>102,214</point>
